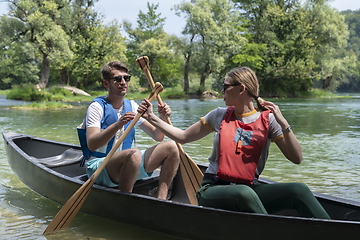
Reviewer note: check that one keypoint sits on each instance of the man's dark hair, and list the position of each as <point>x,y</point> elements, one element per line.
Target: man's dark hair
<point>114,65</point>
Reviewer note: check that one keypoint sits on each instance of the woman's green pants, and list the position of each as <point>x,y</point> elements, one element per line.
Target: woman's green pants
<point>262,198</point>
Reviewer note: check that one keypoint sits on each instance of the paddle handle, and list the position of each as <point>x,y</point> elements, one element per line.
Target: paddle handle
<point>143,63</point>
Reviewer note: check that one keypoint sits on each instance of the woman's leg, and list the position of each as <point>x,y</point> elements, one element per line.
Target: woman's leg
<point>280,196</point>
<point>239,198</point>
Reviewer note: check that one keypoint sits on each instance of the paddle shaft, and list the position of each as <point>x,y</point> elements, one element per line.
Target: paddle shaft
<point>66,214</point>
<point>191,174</point>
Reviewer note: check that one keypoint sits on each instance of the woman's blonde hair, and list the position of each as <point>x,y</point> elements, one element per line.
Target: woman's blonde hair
<point>246,76</point>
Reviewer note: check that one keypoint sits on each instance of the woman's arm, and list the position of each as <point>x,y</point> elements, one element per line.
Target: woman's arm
<point>164,112</point>
<point>193,133</point>
<point>289,145</point>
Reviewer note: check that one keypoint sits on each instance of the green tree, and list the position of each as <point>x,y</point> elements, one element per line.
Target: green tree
<point>352,19</point>
<point>35,25</point>
<point>17,63</point>
<point>149,39</point>
<point>101,45</point>
<point>282,53</point>
<point>214,34</point>
<point>329,33</point>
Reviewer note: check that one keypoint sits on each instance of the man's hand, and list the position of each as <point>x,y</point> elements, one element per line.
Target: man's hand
<point>124,119</point>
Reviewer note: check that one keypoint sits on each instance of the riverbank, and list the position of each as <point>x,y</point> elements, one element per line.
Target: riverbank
<point>61,98</point>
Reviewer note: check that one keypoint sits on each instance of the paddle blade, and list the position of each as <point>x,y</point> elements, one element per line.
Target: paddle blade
<point>67,213</point>
<point>191,175</point>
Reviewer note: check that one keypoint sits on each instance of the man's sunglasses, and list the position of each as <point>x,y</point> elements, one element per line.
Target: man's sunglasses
<point>226,86</point>
<point>119,78</point>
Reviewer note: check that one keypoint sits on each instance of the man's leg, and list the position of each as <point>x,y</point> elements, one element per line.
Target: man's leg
<point>123,168</point>
<point>166,155</point>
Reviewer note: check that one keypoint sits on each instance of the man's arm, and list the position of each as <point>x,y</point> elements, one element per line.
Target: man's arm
<point>94,136</point>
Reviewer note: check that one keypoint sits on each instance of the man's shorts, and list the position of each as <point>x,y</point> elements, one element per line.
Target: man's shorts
<point>104,179</point>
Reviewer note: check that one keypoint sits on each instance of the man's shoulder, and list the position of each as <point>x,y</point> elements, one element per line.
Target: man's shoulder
<point>101,100</point>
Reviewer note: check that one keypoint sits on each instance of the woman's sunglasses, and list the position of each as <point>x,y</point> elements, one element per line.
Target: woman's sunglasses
<point>119,78</point>
<point>226,86</point>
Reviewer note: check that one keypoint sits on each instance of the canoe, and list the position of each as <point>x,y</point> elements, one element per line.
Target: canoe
<point>51,169</point>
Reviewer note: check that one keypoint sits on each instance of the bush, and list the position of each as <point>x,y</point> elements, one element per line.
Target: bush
<point>27,92</point>
<point>60,91</point>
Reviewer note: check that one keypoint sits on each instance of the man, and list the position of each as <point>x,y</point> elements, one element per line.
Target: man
<point>105,121</point>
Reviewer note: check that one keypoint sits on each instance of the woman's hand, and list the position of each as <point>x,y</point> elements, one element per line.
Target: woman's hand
<point>145,108</point>
<point>277,113</point>
<point>164,111</point>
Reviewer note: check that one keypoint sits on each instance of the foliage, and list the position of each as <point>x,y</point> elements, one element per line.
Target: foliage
<point>292,45</point>
<point>329,34</point>
<point>60,91</point>
<point>149,39</point>
<point>16,68</point>
<point>214,34</point>
<point>36,25</point>
<point>28,92</point>
<point>320,93</point>
<point>352,75</point>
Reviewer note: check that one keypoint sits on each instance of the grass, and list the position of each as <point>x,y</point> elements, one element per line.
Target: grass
<point>45,105</point>
<point>320,93</point>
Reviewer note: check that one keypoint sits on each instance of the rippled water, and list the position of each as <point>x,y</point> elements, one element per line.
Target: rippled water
<point>328,130</point>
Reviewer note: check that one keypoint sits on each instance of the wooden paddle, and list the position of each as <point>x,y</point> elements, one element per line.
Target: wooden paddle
<point>66,214</point>
<point>190,172</point>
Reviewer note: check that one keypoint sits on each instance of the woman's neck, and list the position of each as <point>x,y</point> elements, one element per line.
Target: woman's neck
<point>244,108</point>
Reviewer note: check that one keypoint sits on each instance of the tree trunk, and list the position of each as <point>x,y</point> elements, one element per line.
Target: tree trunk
<point>327,82</point>
<point>202,82</point>
<point>207,72</point>
<point>64,77</point>
<point>86,81</point>
<point>188,55</point>
<point>186,73</point>
<point>45,72</point>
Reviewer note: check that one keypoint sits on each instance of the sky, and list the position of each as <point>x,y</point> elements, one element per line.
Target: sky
<point>128,10</point>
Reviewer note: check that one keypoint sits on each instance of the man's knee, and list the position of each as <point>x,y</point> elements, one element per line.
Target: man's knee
<point>172,149</point>
<point>171,145</point>
<point>133,157</point>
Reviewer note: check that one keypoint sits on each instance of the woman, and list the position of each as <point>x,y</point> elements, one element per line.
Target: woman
<point>241,144</point>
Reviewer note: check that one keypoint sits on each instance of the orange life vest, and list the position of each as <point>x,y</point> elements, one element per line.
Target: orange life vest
<point>240,147</point>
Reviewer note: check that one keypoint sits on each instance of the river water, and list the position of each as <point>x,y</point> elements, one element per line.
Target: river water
<point>328,130</point>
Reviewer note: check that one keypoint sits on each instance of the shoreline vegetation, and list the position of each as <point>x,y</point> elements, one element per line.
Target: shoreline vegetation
<point>57,98</point>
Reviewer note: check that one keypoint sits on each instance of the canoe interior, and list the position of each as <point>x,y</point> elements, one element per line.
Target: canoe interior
<point>64,159</point>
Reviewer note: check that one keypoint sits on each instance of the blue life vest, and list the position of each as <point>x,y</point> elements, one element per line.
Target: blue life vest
<point>110,117</point>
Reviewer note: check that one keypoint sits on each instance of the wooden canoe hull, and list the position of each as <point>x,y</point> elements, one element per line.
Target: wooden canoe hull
<point>175,216</point>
